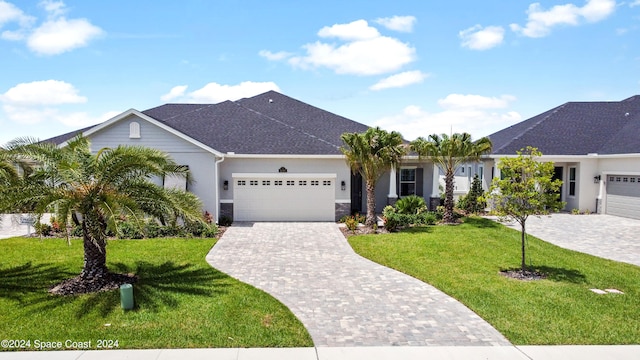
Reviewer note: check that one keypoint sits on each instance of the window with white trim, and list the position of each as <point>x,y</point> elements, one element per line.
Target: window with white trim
<point>407,181</point>
<point>572,181</point>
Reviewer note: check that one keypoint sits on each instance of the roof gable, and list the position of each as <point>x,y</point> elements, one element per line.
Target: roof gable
<point>576,128</point>
<point>269,123</point>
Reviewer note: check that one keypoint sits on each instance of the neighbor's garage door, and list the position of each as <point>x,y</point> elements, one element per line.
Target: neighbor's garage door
<point>284,197</point>
<point>623,196</point>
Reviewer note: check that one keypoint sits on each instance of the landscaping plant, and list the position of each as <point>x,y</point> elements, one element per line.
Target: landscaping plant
<point>526,188</point>
<point>95,190</point>
<point>449,153</point>
<point>371,154</point>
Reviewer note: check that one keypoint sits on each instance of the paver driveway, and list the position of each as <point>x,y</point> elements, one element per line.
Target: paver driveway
<point>341,298</point>
<point>606,236</point>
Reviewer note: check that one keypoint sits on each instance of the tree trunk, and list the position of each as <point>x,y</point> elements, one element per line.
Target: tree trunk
<point>95,243</point>
<point>524,264</point>
<point>448,217</point>
<point>371,204</point>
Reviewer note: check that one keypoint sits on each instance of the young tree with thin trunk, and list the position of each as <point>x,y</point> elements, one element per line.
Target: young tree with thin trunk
<point>94,191</point>
<point>371,154</point>
<point>526,187</point>
<point>449,153</point>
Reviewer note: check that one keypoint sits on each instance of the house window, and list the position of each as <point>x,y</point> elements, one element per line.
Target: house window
<point>625,179</point>
<point>481,172</point>
<point>572,181</point>
<point>611,178</point>
<point>253,182</point>
<point>242,183</point>
<point>302,182</point>
<point>266,182</point>
<point>633,179</point>
<point>278,183</point>
<point>291,182</point>
<point>315,182</point>
<point>326,182</point>
<point>134,130</point>
<point>176,181</point>
<point>407,182</point>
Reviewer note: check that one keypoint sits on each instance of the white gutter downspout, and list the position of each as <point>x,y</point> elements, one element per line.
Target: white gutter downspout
<point>217,215</point>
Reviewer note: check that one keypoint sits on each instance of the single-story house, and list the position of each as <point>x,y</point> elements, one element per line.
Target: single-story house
<point>595,147</point>
<point>265,158</point>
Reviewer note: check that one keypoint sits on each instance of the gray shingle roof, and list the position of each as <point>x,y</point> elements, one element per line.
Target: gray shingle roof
<point>270,123</point>
<point>576,128</point>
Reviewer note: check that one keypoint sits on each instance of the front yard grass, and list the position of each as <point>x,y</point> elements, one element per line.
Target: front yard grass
<point>180,301</point>
<point>465,262</point>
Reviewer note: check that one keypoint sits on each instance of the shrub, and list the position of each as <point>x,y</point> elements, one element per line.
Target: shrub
<point>42,229</point>
<point>351,223</point>
<point>225,221</point>
<point>411,204</point>
<point>199,229</point>
<point>389,216</point>
<point>129,230</point>
<point>426,218</point>
<point>474,202</point>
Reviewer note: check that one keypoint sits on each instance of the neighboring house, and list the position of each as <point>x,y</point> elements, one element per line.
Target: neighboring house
<point>595,147</point>
<point>264,158</point>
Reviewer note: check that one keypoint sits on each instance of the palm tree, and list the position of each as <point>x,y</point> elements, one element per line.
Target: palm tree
<point>94,191</point>
<point>371,154</point>
<point>449,153</point>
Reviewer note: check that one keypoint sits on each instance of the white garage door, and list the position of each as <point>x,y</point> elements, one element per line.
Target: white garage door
<point>623,196</point>
<point>284,197</point>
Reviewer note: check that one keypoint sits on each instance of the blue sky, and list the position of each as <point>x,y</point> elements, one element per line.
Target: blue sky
<point>418,67</point>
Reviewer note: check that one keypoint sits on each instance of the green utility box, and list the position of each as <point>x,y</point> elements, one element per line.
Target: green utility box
<point>126,296</point>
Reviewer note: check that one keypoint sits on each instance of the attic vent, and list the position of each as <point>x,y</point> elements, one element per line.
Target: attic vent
<point>627,114</point>
<point>270,101</point>
<point>134,130</point>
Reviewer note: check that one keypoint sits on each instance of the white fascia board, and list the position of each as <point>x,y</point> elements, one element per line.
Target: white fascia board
<point>575,157</point>
<point>284,175</point>
<point>153,121</point>
<point>280,156</point>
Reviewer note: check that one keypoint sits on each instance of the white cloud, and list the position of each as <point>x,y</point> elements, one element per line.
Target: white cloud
<point>280,55</point>
<point>400,80</point>
<point>61,35</point>
<point>362,51</point>
<point>398,23</point>
<point>356,30</point>
<point>467,113</point>
<point>540,21</point>
<point>364,57</point>
<point>9,13</point>
<point>40,102</point>
<point>459,101</point>
<point>47,92</point>
<point>479,38</point>
<point>54,36</point>
<point>634,3</point>
<point>174,93</point>
<point>215,93</point>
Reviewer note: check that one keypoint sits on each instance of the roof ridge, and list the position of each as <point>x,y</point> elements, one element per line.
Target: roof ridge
<point>287,125</point>
<point>182,113</point>
<point>519,135</point>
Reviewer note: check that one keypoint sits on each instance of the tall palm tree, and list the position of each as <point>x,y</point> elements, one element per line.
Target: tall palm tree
<point>449,153</point>
<point>371,154</point>
<point>94,190</point>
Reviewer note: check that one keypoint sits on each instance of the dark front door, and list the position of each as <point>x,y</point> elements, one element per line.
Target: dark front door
<point>356,193</point>
<point>557,174</point>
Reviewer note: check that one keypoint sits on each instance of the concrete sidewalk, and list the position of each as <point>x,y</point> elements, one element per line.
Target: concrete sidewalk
<point>591,352</point>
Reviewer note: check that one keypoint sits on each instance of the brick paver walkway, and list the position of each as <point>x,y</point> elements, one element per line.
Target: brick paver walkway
<point>606,236</point>
<point>341,298</point>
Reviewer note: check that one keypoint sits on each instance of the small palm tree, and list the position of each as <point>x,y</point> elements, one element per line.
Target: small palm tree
<point>371,154</point>
<point>449,153</point>
<point>95,190</point>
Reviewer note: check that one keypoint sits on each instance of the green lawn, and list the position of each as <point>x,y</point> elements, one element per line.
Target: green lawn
<point>181,302</point>
<point>464,261</point>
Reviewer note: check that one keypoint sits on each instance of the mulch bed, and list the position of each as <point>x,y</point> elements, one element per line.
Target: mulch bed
<point>518,274</point>
<point>79,285</point>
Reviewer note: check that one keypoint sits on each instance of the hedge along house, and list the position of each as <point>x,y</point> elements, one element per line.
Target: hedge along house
<point>595,147</point>
<point>265,158</point>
